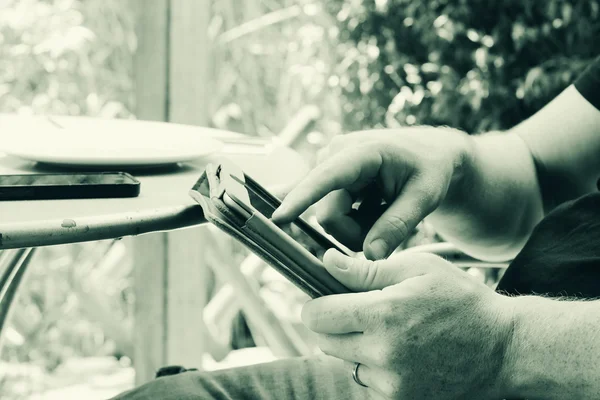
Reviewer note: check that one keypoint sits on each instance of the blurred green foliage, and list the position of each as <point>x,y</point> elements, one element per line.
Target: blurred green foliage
<point>272,58</point>
<point>474,65</point>
<point>67,57</point>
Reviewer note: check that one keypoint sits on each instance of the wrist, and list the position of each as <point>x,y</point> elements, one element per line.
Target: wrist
<point>508,386</point>
<point>464,173</point>
<point>522,375</point>
<point>465,160</point>
<point>507,321</point>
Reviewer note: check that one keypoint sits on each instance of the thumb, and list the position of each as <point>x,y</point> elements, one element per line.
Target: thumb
<point>399,220</point>
<point>360,275</point>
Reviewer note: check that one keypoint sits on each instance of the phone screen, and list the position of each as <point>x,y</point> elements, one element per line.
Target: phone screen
<point>68,186</point>
<point>65,179</point>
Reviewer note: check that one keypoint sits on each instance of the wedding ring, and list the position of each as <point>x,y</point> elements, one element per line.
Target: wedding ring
<point>355,375</point>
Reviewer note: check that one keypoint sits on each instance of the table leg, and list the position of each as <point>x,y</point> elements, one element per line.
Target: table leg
<point>13,266</point>
<point>172,280</point>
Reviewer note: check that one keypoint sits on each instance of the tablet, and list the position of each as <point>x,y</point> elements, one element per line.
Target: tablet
<point>240,206</point>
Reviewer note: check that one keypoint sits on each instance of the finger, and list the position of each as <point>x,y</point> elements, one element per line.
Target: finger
<point>417,200</point>
<point>333,215</point>
<point>323,154</point>
<point>342,171</point>
<point>356,391</point>
<point>381,381</point>
<point>281,191</point>
<point>350,346</point>
<point>362,275</point>
<point>343,313</point>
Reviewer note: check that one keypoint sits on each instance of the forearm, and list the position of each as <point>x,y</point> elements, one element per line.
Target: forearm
<point>491,210</point>
<point>564,139</point>
<point>555,350</point>
<point>503,197</point>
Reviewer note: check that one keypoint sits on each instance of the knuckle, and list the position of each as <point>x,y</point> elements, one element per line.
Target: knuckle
<point>316,318</point>
<point>394,386</point>
<point>313,320</point>
<point>430,196</point>
<point>367,272</point>
<point>433,262</point>
<point>388,315</point>
<point>397,227</point>
<point>374,395</point>
<point>362,317</point>
<point>359,265</point>
<point>325,218</point>
<point>326,350</point>
<point>426,258</point>
<point>338,180</point>
<point>324,344</point>
<point>336,142</point>
<point>372,273</point>
<point>322,154</point>
<point>359,316</point>
<point>335,139</point>
<point>386,358</point>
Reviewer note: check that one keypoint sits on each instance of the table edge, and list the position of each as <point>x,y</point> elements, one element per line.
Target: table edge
<point>102,227</point>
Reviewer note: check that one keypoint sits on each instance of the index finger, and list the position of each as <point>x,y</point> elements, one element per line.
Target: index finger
<point>343,313</point>
<point>339,172</point>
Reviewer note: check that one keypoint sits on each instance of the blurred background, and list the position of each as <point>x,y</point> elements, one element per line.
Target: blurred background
<point>473,65</point>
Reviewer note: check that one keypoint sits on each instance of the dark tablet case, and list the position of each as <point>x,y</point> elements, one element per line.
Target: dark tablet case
<point>208,192</point>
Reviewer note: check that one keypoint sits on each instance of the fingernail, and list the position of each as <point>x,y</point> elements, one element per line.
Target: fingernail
<point>281,210</point>
<point>379,248</point>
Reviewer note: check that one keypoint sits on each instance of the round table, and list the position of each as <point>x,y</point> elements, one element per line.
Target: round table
<point>163,205</point>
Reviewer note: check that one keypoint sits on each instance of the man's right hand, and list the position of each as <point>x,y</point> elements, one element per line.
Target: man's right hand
<point>411,169</point>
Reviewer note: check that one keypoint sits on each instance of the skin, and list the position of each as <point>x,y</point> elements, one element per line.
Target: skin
<point>420,327</point>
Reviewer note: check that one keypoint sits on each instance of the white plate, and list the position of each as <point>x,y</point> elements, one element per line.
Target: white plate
<point>102,142</point>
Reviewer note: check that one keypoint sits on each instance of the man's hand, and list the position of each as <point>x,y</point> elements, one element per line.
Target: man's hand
<point>412,171</point>
<point>422,329</point>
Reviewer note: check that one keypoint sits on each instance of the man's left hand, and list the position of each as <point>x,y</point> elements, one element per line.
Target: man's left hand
<point>419,327</point>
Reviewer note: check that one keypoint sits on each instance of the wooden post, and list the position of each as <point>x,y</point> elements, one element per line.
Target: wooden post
<point>189,68</point>
<point>171,274</point>
<point>151,61</point>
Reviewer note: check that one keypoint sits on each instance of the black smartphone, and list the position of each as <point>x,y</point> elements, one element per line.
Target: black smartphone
<point>68,186</point>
